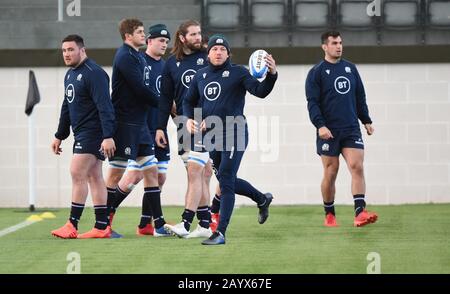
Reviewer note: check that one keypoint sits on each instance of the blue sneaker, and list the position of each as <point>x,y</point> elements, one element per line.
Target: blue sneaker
<point>115,235</point>
<point>161,232</point>
<point>216,239</point>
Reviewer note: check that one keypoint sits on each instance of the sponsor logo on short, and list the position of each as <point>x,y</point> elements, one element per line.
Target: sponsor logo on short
<point>128,150</point>
<point>78,146</point>
<point>325,147</point>
<point>359,141</point>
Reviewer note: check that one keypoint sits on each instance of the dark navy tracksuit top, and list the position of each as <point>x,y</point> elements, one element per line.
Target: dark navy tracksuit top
<point>87,104</point>
<point>155,70</point>
<point>175,81</point>
<point>220,90</point>
<point>336,96</point>
<point>131,95</point>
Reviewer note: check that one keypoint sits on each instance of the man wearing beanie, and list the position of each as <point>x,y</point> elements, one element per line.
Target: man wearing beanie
<point>189,56</point>
<point>220,90</point>
<point>157,41</point>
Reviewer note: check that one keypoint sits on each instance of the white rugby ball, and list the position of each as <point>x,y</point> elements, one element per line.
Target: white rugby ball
<point>257,65</point>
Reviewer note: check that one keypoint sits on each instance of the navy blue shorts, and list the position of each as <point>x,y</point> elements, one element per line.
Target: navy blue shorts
<point>132,142</point>
<point>350,138</point>
<point>88,146</point>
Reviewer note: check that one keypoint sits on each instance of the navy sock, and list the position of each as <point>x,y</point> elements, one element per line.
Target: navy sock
<point>146,216</point>
<point>101,217</point>
<point>110,199</point>
<point>215,207</point>
<point>242,187</point>
<point>329,207</point>
<point>119,196</point>
<point>203,216</point>
<point>360,203</point>
<point>154,196</point>
<point>76,211</point>
<point>187,217</point>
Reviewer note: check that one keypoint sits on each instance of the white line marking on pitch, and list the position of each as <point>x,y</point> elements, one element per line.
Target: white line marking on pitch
<point>29,221</point>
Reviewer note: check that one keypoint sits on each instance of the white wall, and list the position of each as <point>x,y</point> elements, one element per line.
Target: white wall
<point>407,159</point>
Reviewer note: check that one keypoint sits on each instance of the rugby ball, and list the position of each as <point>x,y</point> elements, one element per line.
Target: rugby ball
<point>257,65</point>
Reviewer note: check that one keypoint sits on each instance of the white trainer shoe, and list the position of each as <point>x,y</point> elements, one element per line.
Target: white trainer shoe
<point>178,229</point>
<point>200,232</point>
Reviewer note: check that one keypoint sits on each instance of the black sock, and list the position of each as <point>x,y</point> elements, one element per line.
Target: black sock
<point>154,196</point>
<point>119,196</point>
<point>110,199</point>
<point>203,216</point>
<point>101,218</point>
<point>329,207</point>
<point>146,216</point>
<point>76,211</point>
<point>215,207</point>
<point>360,203</point>
<point>187,217</point>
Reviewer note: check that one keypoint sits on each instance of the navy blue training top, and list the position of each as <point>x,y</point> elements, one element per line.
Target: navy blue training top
<point>87,104</point>
<point>336,96</point>
<point>176,79</point>
<point>220,90</point>
<point>131,95</point>
<point>155,70</point>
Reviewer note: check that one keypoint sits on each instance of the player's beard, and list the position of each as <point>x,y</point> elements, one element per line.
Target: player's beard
<point>194,46</point>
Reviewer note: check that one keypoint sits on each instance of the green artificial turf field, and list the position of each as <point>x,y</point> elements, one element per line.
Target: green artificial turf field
<point>408,239</point>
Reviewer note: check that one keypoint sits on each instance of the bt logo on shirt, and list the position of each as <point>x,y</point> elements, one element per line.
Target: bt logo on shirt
<point>212,91</point>
<point>70,93</point>
<point>342,85</point>
<point>187,77</point>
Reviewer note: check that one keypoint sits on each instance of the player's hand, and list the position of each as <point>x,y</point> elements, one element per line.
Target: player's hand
<point>56,146</point>
<point>192,126</point>
<point>173,111</point>
<point>370,130</point>
<point>108,147</point>
<point>160,139</point>
<point>325,133</point>
<point>203,126</point>
<point>271,64</point>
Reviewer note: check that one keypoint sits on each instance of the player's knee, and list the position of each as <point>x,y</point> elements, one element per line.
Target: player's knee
<point>151,174</point>
<point>78,176</point>
<point>161,179</point>
<point>208,172</point>
<point>227,182</point>
<point>356,168</point>
<point>194,170</point>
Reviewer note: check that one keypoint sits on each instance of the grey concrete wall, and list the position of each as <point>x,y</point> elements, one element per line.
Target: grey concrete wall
<point>29,24</point>
<point>407,159</point>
